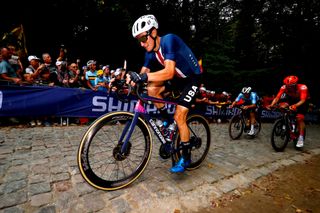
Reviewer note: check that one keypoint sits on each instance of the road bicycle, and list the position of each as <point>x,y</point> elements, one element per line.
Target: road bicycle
<point>284,129</point>
<point>240,123</point>
<point>116,148</point>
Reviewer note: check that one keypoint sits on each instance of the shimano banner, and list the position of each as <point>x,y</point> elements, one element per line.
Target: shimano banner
<point>17,101</point>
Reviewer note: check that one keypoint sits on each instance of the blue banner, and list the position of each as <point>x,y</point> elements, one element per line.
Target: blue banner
<point>17,101</point>
<point>21,101</point>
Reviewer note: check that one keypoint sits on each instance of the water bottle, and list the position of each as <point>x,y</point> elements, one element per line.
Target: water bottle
<point>171,129</point>
<point>162,126</point>
<point>159,123</point>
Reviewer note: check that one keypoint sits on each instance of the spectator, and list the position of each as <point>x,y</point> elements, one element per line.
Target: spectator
<point>83,80</point>
<point>63,74</point>
<point>52,76</point>
<point>106,72</point>
<point>101,81</point>
<point>74,75</point>
<point>116,76</point>
<point>7,72</point>
<point>35,71</point>
<point>15,61</point>
<point>91,74</point>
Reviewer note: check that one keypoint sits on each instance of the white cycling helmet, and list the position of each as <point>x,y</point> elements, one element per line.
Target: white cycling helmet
<point>144,24</point>
<point>246,90</point>
<point>203,89</point>
<point>225,93</point>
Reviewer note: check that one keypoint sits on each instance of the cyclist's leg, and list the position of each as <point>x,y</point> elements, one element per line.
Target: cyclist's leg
<point>185,102</point>
<point>301,111</point>
<point>156,89</point>
<point>180,117</point>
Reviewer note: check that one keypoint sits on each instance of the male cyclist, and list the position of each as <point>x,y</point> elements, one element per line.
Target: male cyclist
<point>179,65</point>
<point>296,95</point>
<point>249,100</point>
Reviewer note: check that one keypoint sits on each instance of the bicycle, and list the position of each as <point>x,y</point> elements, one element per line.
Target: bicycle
<point>116,148</point>
<point>284,129</point>
<point>240,123</point>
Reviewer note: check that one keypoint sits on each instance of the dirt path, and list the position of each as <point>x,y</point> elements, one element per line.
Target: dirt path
<point>295,188</point>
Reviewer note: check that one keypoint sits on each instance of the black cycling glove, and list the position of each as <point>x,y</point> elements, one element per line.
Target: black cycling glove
<point>135,77</point>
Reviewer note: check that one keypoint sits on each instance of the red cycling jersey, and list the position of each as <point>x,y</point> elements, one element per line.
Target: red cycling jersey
<point>301,92</point>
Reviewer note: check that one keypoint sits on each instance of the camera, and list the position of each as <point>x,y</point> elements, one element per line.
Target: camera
<point>14,57</point>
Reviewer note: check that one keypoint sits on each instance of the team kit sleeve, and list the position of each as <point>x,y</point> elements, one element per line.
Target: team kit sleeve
<point>303,92</point>
<point>281,91</point>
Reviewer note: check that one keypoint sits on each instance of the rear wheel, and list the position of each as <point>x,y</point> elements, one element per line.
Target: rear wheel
<point>236,127</point>
<point>280,135</point>
<point>200,139</point>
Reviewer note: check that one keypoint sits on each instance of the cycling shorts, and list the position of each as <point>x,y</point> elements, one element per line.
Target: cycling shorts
<point>188,88</point>
<point>303,109</point>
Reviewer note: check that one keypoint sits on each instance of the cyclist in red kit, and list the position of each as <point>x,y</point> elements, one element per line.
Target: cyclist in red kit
<point>296,95</point>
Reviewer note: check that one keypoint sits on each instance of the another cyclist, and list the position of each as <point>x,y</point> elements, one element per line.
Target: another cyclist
<point>180,66</point>
<point>249,100</point>
<point>296,95</point>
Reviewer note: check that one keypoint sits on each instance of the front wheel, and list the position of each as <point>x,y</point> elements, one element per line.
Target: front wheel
<point>280,135</point>
<point>103,160</point>
<point>236,127</point>
<point>200,139</point>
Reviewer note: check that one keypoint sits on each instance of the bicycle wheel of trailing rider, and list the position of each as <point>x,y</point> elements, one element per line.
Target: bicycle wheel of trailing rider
<point>280,135</point>
<point>236,127</point>
<point>103,160</point>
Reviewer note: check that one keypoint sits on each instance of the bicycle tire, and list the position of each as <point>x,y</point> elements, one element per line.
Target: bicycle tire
<point>200,138</point>
<point>280,135</point>
<point>97,160</point>
<point>257,127</point>
<point>236,126</point>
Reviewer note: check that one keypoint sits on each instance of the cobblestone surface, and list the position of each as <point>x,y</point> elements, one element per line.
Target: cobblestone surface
<point>39,173</point>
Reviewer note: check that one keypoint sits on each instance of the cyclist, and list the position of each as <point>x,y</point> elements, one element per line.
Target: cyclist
<point>249,100</point>
<point>179,70</point>
<point>296,95</point>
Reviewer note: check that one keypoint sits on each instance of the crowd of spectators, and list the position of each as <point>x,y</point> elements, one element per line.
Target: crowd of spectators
<point>59,72</point>
<point>72,74</point>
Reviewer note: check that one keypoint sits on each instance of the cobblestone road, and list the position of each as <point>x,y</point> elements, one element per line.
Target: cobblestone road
<point>39,173</point>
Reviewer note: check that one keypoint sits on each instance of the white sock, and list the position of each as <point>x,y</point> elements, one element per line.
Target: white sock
<point>252,127</point>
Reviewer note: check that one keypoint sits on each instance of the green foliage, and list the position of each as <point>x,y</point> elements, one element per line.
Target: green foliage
<point>237,40</point>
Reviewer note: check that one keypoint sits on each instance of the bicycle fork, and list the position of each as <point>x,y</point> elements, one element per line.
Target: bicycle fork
<point>127,132</point>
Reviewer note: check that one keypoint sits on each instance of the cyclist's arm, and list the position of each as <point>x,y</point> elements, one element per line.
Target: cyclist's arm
<point>303,95</point>
<point>165,74</point>
<point>144,70</point>
<point>278,96</point>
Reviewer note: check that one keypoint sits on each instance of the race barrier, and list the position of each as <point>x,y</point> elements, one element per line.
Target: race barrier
<point>22,101</point>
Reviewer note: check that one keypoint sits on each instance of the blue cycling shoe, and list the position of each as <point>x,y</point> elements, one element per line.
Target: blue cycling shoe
<point>180,166</point>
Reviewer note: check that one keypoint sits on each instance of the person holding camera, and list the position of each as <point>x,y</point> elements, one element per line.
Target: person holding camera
<point>36,72</point>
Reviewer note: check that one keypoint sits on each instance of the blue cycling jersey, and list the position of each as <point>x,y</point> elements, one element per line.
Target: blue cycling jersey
<point>253,98</point>
<point>173,48</point>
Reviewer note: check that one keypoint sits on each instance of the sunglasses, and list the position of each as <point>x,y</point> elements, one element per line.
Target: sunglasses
<point>143,38</point>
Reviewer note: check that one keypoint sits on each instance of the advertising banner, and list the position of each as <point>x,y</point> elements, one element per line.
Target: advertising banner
<point>22,101</point>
